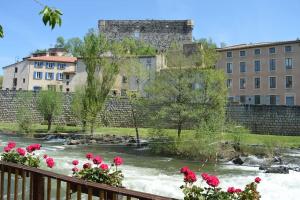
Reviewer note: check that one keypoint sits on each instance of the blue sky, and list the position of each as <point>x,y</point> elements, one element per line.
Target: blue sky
<point>229,21</point>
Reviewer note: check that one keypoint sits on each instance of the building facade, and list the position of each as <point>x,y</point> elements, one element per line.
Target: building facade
<point>49,70</point>
<point>262,73</point>
<point>159,33</point>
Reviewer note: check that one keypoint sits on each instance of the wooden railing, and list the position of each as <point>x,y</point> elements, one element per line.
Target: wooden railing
<point>22,182</point>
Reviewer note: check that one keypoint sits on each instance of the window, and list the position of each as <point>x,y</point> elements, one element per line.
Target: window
<point>229,83</point>
<point>52,87</point>
<point>16,70</point>
<point>272,65</point>
<point>242,99</point>
<point>229,54</point>
<point>49,76</point>
<point>59,76</point>
<point>257,65</point>
<point>23,80</point>
<point>288,63</point>
<point>272,50</point>
<point>136,34</point>
<point>15,80</point>
<point>37,88</point>
<point>256,99</point>
<point>288,49</point>
<point>38,64</point>
<point>242,67</point>
<point>67,76</point>
<point>67,83</point>
<point>290,100</point>
<point>68,89</point>
<point>273,99</point>
<point>229,68</point>
<point>242,83</point>
<point>61,65</point>
<point>242,53</point>
<point>256,83</point>
<point>256,51</point>
<point>50,65</point>
<point>288,82</point>
<point>272,82</point>
<point>37,75</point>
<point>124,79</point>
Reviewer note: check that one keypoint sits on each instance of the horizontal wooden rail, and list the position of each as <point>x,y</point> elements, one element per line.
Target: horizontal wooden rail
<point>40,186</point>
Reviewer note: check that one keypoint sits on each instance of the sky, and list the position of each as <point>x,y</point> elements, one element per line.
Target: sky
<point>228,21</point>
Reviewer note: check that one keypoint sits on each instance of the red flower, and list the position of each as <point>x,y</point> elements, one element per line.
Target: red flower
<point>11,144</point>
<point>7,149</point>
<point>184,170</point>
<point>213,181</point>
<point>231,190</point>
<point>205,176</point>
<point>190,177</point>
<point>87,166</point>
<point>30,149</point>
<point>118,160</point>
<point>50,162</point>
<point>75,169</point>
<point>238,190</point>
<point>21,151</point>
<point>36,146</point>
<point>104,167</point>
<point>257,180</point>
<point>89,156</point>
<point>75,162</point>
<point>97,160</point>
<point>45,156</point>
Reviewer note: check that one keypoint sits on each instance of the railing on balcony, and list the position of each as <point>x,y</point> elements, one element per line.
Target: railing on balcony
<point>22,182</point>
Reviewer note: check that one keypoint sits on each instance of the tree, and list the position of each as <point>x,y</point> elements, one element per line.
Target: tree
<point>49,105</point>
<point>78,108</point>
<point>190,89</point>
<point>73,46</point>
<point>60,42</point>
<point>1,81</point>
<point>50,16</point>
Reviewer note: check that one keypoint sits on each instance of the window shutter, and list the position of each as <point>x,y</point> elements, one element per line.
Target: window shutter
<point>52,77</point>
<point>57,76</point>
<point>34,75</point>
<point>268,100</point>
<point>46,75</point>
<point>277,100</point>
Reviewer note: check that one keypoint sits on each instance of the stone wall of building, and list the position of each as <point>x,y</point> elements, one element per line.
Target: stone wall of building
<point>280,120</point>
<point>159,33</point>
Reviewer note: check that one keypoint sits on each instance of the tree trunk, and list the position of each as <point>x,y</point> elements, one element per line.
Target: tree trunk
<point>84,126</point>
<point>49,123</point>
<point>136,127</point>
<point>179,129</point>
<point>92,128</point>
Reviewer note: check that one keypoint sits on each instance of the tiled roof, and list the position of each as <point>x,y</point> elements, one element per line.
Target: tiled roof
<point>261,44</point>
<point>54,59</point>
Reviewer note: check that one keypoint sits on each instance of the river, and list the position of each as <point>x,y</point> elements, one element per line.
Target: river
<point>160,175</point>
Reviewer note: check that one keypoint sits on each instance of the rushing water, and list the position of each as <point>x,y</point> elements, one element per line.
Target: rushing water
<point>159,175</point>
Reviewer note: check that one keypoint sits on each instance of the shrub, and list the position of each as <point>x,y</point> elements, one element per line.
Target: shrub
<point>24,120</point>
<point>24,156</point>
<point>95,170</point>
<point>212,192</point>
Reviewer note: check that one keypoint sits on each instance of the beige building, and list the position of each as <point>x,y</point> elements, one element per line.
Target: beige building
<point>262,73</point>
<point>49,70</point>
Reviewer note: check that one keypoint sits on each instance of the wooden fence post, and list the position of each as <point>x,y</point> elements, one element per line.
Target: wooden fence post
<point>38,187</point>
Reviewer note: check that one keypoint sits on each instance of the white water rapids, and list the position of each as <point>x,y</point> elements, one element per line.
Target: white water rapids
<point>159,175</point>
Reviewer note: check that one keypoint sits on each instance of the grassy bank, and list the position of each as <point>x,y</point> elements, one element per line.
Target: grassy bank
<point>246,138</point>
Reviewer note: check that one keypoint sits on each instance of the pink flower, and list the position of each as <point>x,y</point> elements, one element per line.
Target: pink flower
<point>184,170</point>
<point>7,149</point>
<point>75,169</point>
<point>50,162</point>
<point>190,177</point>
<point>118,161</point>
<point>21,151</point>
<point>75,162</point>
<point>231,190</point>
<point>30,149</point>
<point>257,180</point>
<point>104,167</point>
<point>238,190</point>
<point>11,144</point>
<point>36,146</point>
<point>213,181</point>
<point>97,160</point>
<point>45,156</point>
<point>205,176</point>
<point>87,166</point>
<point>89,156</point>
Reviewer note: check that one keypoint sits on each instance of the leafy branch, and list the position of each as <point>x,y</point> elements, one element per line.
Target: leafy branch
<point>1,32</point>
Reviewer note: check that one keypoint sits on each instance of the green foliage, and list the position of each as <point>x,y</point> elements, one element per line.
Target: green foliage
<point>78,106</point>
<point>1,81</point>
<point>51,16</point>
<point>60,42</point>
<point>137,47</point>
<point>1,32</point>
<point>14,157</point>
<point>24,116</point>
<point>49,105</point>
<point>73,46</point>
<point>40,51</point>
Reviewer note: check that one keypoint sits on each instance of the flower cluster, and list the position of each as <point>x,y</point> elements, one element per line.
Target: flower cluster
<point>24,156</point>
<point>192,191</point>
<point>96,170</point>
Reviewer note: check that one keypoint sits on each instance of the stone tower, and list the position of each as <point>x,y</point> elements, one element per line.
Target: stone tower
<point>159,33</point>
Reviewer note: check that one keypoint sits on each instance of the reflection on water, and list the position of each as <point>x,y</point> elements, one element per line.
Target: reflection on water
<point>160,175</point>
